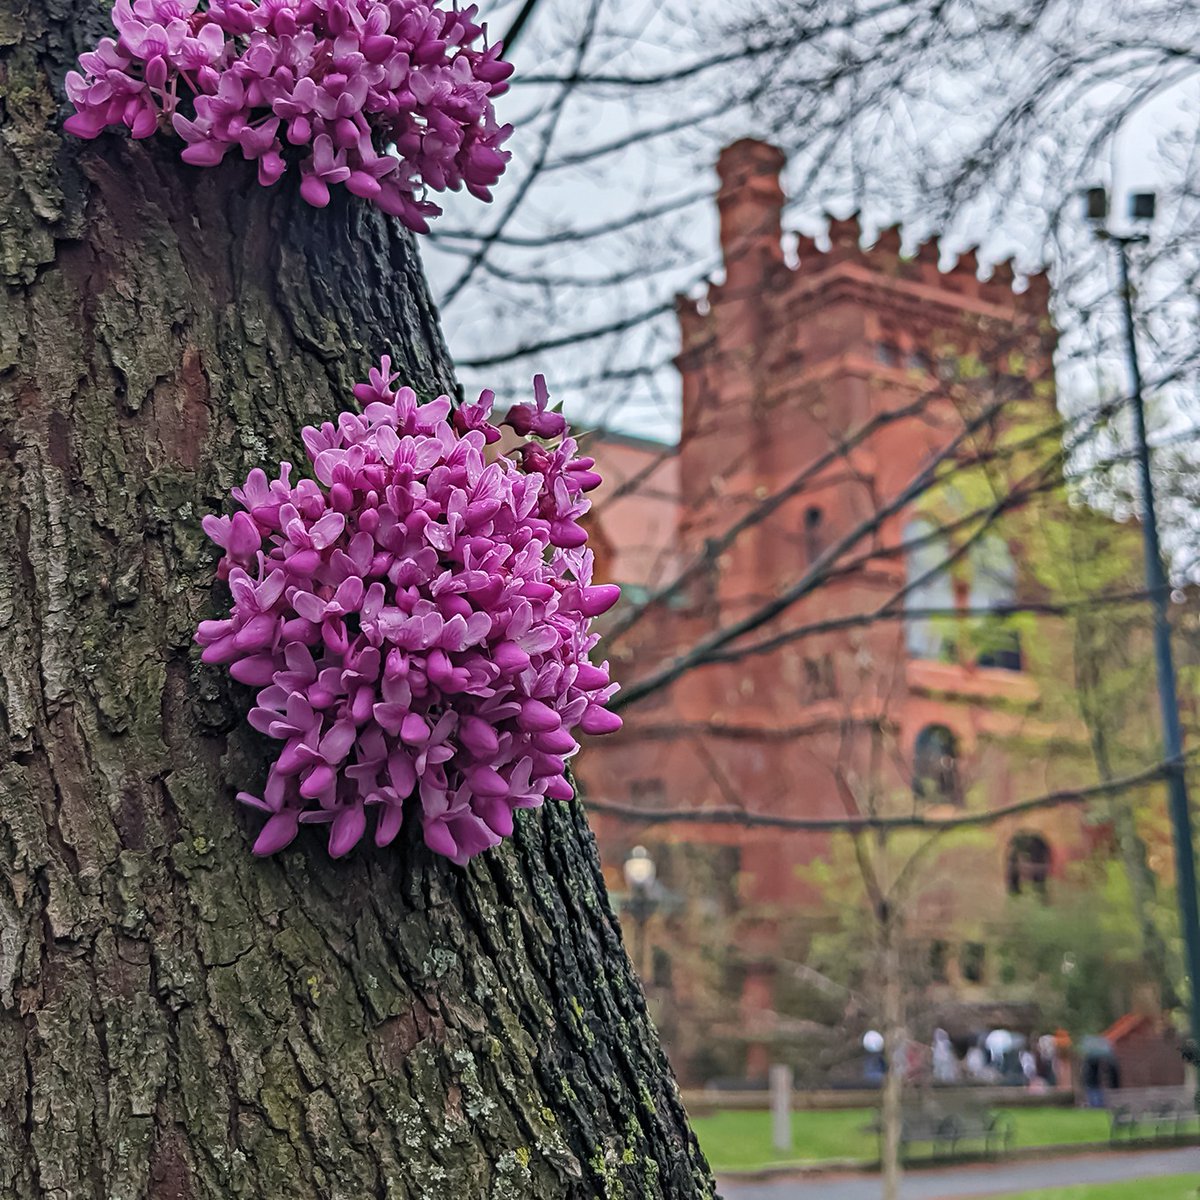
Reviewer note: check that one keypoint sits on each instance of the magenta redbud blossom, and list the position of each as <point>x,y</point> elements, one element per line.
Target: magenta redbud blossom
<point>526,419</point>
<point>389,98</point>
<point>417,621</point>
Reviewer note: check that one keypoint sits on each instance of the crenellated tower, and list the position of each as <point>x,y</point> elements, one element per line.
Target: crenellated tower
<point>781,360</point>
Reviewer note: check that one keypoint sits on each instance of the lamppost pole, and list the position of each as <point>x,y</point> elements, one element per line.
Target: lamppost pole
<point>1158,587</point>
<point>640,917</point>
<point>640,875</point>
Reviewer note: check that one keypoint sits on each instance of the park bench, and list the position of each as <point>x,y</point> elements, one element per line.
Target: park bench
<point>944,1132</point>
<point>1152,1114</point>
<point>995,1130</point>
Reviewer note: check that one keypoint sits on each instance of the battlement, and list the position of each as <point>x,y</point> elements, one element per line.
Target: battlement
<point>751,202</point>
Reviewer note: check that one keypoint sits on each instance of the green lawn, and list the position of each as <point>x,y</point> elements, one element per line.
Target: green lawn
<point>1169,1187</point>
<point>742,1140</point>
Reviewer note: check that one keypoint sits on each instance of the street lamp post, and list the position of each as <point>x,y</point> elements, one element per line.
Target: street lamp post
<point>1141,211</point>
<point>640,874</point>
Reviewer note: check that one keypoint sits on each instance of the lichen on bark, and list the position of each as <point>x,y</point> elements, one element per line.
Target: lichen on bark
<point>178,1019</point>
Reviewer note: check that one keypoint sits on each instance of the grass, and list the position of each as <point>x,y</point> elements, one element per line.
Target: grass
<point>736,1141</point>
<point>1168,1187</point>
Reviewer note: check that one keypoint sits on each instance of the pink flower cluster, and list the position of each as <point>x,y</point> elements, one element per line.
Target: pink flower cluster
<point>418,621</point>
<point>388,97</point>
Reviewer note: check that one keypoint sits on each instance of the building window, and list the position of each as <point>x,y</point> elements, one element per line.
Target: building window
<point>972,961</point>
<point>929,602</point>
<point>648,793</point>
<point>1029,861</point>
<point>819,680</point>
<point>994,586</point>
<point>887,353</point>
<point>814,534</point>
<point>939,954</point>
<point>935,767</point>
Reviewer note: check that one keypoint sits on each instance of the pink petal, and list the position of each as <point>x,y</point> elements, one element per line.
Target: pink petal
<point>538,717</point>
<point>254,672</point>
<point>346,831</point>
<point>278,832</point>
<point>597,720</point>
<point>336,744</point>
<point>388,823</point>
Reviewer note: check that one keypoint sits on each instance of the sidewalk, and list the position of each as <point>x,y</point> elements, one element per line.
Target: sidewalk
<point>983,1179</point>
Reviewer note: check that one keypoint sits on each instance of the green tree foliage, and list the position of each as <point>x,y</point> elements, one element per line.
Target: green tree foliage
<point>1081,958</point>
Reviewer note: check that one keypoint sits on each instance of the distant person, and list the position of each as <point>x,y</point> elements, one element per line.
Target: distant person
<point>1089,1076</point>
<point>1047,1052</point>
<point>1062,1058</point>
<point>1012,1071</point>
<point>998,1043</point>
<point>945,1065</point>
<point>1029,1067</point>
<point>914,1061</point>
<point>1099,1071</point>
<point>875,1065</point>
<point>976,1064</point>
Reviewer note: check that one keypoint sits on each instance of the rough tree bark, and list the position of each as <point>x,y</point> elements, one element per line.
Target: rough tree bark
<point>176,1018</point>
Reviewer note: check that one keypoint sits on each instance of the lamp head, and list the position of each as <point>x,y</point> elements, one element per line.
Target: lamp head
<point>639,869</point>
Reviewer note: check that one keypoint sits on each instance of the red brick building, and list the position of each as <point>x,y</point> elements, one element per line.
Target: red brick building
<point>817,390</point>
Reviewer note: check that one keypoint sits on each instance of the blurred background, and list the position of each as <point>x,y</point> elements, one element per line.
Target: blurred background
<point>872,315</point>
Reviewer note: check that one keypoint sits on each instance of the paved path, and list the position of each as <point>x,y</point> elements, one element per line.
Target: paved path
<point>984,1179</point>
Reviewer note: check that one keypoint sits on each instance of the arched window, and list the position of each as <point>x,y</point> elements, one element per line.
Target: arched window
<point>814,534</point>
<point>820,682</point>
<point>994,586</point>
<point>972,961</point>
<point>648,793</point>
<point>939,953</point>
<point>927,634</point>
<point>935,767</point>
<point>1029,861</point>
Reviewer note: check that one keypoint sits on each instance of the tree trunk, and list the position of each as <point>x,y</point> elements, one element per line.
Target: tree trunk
<point>894,1038</point>
<point>178,1019</point>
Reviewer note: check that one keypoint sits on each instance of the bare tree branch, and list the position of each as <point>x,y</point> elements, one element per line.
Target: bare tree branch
<point>867,821</point>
